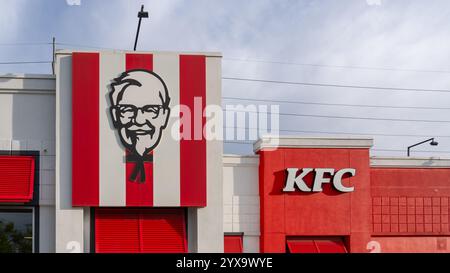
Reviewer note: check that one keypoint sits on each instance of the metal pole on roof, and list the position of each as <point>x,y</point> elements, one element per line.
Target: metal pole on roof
<point>53,61</point>
<point>141,14</point>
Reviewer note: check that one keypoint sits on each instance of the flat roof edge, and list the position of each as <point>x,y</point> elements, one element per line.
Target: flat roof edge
<point>409,162</point>
<point>240,160</point>
<point>28,76</point>
<point>207,54</point>
<point>274,142</point>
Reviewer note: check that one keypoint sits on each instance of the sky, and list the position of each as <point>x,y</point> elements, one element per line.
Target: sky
<point>384,43</point>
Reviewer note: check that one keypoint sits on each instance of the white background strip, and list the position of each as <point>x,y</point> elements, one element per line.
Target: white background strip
<point>166,179</point>
<point>112,165</point>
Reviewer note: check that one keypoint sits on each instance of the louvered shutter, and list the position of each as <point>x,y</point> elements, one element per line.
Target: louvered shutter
<point>117,231</point>
<point>163,231</point>
<point>140,230</point>
<point>16,179</point>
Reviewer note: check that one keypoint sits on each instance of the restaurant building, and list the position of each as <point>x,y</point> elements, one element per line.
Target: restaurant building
<point>90,163</point>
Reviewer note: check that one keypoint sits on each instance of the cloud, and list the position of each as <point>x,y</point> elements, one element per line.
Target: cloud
<point>10,19</point>
<point>73,2</point>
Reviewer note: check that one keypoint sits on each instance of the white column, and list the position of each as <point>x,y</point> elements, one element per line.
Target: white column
<point>206,224</point>
<point>69,220</point>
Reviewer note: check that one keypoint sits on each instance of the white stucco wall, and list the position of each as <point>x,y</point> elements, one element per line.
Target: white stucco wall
<point>27,123</point>
<point>241,199</point>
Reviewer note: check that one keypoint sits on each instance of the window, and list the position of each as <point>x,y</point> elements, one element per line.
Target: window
<point>140,231</point>
<point>233,243</point>
<point>316,245</point>
<point>16,230</point>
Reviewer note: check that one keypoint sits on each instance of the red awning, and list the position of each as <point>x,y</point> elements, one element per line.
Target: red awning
<point>302,246</point>
<point>319,245</point>
<point>233,244</point>
<point>16,179</point>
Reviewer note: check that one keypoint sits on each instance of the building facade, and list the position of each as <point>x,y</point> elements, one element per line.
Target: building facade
<point>294,194</point>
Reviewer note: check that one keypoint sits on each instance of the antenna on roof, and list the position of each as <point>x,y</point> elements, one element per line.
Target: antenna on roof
<point>141,14</point>
<point>53,60</point>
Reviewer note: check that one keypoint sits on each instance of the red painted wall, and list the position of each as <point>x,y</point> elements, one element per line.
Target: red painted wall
<point>411,209</point>
<point>328,213</point>
<point>413,244</point>
<point>410,182</point>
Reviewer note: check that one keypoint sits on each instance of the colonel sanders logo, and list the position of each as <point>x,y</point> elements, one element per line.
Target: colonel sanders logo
<point>140,112</point>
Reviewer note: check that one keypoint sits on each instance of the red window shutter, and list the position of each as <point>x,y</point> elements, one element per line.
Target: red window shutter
<point>163,231</point>
<point>116,231</point>
<point>140,230</point>
<point>318,245</point>
<point>16,179</point>
<point>233,244</point>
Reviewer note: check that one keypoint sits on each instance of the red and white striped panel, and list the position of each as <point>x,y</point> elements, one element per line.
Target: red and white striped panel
<point>100,175</point>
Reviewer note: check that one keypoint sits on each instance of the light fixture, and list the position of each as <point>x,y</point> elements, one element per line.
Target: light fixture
<point>431,140</point>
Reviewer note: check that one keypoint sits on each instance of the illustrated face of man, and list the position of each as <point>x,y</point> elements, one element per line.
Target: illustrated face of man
<point>141,112</point>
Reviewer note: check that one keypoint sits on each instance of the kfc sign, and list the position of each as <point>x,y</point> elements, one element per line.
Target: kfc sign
<point>132,128</point>
<point>296,179</point>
